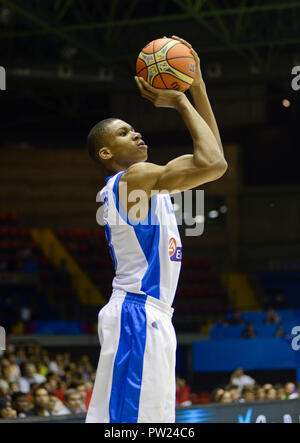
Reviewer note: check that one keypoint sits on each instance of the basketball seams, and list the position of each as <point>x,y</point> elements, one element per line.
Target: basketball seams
<point>148,66</point>
<point>158,68</point>
<point>159,62</point>
<point>184,56</point>
<point>169,41</point>
<point>180,72</point>
<point>170,49</point>
<point>172,75</point>
<point>172,58</point>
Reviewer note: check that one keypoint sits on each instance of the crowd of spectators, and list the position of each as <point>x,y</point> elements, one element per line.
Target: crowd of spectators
<point>33,383</point>
<point>243,388</point>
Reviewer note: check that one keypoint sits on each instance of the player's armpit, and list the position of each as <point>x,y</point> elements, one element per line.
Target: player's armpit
<point>183,173</point>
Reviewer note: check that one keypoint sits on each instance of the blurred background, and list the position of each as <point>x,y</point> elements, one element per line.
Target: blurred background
<point>70,64</point>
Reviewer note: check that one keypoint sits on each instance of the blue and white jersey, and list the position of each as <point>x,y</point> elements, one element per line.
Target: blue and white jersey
<point>146,254</point>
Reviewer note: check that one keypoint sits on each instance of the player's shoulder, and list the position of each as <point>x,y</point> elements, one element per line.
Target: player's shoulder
<point>142,175</point>
<point>141,171</point>
<point>143,167</point>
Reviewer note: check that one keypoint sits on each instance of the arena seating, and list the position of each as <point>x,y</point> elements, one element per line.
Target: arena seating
<point>287,283</point>
<point>288,319</point>
<point>199,296</point>
<point>31,288</point>
<point>199,292</point>
<point>50,297</point>
<point>90,250</point>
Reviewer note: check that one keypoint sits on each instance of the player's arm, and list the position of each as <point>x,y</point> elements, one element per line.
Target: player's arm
<point>207,163</point>
<point>200,97</point>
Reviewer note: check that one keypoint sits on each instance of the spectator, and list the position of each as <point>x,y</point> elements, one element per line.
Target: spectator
<point>56,406</point>
<point>183,392</point>
<point>6,410</point>
<point>56,365</point>
<point>280,333</point>
<point>21,356</point>
<point>272,316</point>
<point>29,376</point>
<point>14,387</point>
<point>81,388</point>
<point>226,397</point>
<point>247,395</point>
<point>260,393</point>
<point>5,376</point>
<point>73,401</point>
<point>239,379</point>
<point>249,332</point>
<point>236,319</point>
<point>216,395</point>
<point>41,407</point>
<point>235,395</point>
<point>52,381</point>
<point>281,395</point>
<point>14,368</point>
<point>41,367</point>
<point>86,367</point>
<point>290,390</point>
<point>271,394</point>
<point>21,404</point>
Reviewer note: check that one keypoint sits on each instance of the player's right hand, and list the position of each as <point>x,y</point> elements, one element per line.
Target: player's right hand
<point>161,98</point>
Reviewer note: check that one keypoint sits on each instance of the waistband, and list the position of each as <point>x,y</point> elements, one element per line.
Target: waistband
<point>142,299</point>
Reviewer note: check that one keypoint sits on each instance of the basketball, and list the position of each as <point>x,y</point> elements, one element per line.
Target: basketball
<point>166,63</point>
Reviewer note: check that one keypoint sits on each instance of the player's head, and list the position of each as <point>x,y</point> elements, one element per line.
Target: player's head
<point>116,145</point>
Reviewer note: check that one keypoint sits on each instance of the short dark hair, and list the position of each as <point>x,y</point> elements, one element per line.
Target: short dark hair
<point>97,137</point>
<point>16,395</point>
<point>70,392</point>
<point>38,388</point>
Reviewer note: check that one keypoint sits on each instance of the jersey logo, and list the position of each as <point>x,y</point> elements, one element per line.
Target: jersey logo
<point>154,325</point>
<point>175,252</point>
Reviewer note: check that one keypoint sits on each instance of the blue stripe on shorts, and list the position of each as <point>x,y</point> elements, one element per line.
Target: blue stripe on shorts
<point>128,366</point>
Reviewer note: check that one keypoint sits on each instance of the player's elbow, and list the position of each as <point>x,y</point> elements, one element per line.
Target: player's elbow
<point>221,167</point>
<point>216,167</point>
<point>217,170</point>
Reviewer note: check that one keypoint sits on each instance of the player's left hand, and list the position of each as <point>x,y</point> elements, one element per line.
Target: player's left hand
<point>161,98</point>
<point>198,79</point>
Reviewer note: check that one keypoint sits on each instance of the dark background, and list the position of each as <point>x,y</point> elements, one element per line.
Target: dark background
<point>56,52</point>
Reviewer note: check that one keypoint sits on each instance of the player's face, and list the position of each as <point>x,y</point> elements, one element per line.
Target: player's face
<point>126,144</point>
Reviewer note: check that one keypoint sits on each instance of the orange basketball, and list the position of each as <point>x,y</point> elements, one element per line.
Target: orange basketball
<point>166,63</point>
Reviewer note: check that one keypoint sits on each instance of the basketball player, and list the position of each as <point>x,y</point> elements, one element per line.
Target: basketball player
<point>135,379</point>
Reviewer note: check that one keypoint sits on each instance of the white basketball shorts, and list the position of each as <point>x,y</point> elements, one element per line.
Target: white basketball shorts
<point>135,378</point>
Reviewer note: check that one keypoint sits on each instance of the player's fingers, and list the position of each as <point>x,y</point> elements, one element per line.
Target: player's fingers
<point>181,40</point>
<point>146,85</point>
<point>147,95</point>
<point>142,84</point>
<point>195,55</point>
<point>138,83</point>
<point>143,91</point>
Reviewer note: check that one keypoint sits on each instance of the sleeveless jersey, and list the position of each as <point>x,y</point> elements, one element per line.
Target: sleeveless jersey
<point>147,254</point>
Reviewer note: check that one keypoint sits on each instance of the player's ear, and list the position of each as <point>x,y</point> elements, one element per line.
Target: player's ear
<point>104,153</point>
